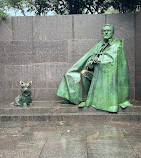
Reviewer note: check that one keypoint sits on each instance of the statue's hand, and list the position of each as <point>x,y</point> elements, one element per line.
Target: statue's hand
<point>90,64</point>
<point>96,60</point>
<point>93,60</point>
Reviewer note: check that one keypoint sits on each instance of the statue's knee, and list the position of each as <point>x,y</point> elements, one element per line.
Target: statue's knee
<point>83,72</point>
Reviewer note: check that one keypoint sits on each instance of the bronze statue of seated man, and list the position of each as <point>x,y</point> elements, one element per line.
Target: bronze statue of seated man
<point>101,77</point>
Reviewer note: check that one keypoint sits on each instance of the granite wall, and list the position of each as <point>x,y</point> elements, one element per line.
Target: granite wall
<point>42,49</point>
<point>138,57</point>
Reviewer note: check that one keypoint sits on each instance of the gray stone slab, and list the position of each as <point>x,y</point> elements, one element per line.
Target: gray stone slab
<point>124,24</point>
<point>39,76</point>
<point>12,58</point>
<point>23,153</point>
<point>7,95</point>
<point>23,49</point>
<point>17,129</point>
<point>11,94</point>
<point>22,28</point>
<point>3,58</point>
<point>132,76</point>
<point>119,154</point>
<point>27,73</point>
<point>21,46</point>
<point>69,144</point>
<point>9,142</point>
<point>16,58</point>
<point>132,134</point>
<point>129,47</point>
<point>138,82</point>
<point>13,75</point>
<point>110,142</point>
<point>52,28</point>
<point>15,53</point>
<point>138,70</point>
<point>138,50</point>
<point>2,89</point>
<point>27,58</point>
<point>138,23</point>
<point>78,48</point>
<point>109,148</point>
<point>54,74</point>
<point>45,94</point>
<point>88,26</point>
<point>44,108</point>
<point>138,55</point>
<point>131,93</point>
<point>138,77</point>
<point>136,145</point>
<point>6,33</point>
<point>51,51</point>
<point>2,72</point>
<point>33,140</point>
<point>5,46</point>
<point>67,141</point>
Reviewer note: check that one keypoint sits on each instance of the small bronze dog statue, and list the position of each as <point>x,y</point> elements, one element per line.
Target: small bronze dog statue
<point>25,98</point>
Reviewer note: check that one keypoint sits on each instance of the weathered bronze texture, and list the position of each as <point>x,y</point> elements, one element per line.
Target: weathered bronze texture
<point>101,77</point>
<point>25,98</point>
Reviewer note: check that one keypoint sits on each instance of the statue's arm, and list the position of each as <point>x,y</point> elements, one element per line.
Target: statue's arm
<point>94,59</point>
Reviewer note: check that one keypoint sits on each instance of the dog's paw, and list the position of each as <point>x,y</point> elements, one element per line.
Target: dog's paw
<point>30,104</point>
<point>24,104</point>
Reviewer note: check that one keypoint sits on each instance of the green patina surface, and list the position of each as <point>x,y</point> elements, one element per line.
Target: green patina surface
<point>100,78</point>
<point>25,98</point>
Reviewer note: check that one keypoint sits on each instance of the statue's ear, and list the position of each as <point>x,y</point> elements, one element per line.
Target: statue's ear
<point>30,83</point>
<point>21,83</point>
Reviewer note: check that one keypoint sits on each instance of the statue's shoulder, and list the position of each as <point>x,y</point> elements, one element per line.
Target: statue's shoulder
<point>115,40</point>
<point>119,43</point>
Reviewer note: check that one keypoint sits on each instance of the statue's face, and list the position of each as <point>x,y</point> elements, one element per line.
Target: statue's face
<point>107,32</point>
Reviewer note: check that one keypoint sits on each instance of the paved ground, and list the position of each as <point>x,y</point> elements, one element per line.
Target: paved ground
<point>61,140</point>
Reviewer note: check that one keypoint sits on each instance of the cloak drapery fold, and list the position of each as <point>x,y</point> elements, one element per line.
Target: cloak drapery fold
<point>110,82</point>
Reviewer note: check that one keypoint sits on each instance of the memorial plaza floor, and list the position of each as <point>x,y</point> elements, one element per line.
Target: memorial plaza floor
<point>65,131</point>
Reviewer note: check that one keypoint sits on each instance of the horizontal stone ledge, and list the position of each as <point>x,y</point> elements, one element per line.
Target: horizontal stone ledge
<point>23,111</point>
<point>75,118</point>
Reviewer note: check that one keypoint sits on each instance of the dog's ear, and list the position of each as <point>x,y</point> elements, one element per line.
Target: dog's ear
<point>30,83</point>
<point>21,83</point>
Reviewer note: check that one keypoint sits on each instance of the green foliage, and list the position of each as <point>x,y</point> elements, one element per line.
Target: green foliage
<point>3,15</point>
<point>111,10</point>
<point>16,5</point>
<point>78,6</point>
<point>95,6</point>
<point>40,7</point>
<point>124,6</point>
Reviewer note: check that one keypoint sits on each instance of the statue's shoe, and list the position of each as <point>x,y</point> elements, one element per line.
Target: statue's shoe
<point>82,105</point>
<point>66,102</point>
<point>113,109</point>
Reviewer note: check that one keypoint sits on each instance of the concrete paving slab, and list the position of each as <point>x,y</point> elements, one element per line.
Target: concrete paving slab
<point>69,144</point>
<point>60,140</point>
<point>26,153</point>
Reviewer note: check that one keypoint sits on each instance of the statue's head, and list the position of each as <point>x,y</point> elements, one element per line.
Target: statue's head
<point>107,31</point>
